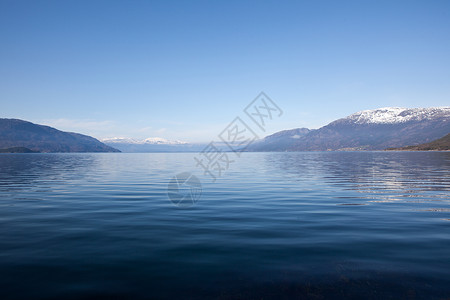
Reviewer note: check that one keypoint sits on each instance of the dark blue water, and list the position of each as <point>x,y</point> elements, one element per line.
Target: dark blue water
<point>323,225</point>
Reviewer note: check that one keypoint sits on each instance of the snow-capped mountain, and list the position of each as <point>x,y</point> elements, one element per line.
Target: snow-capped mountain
<point>155,144</point>
<point>152,141</point>
<point>376,129</point>
<point>393,115</point>
<point>158,145</point>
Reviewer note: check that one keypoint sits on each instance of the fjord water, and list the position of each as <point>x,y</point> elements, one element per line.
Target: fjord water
<point>313,225</point>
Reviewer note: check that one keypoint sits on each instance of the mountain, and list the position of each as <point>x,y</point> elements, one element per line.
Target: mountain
<point>279,141</point>
<point>436,145</point>
<point>17,150</point>
<point>376,129</point>
<point>156,144</point>
<point>19,133</point>
<point>151,141</point>
<point>395,115</point>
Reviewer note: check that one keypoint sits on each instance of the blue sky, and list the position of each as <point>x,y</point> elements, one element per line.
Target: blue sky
<point>184,69</point>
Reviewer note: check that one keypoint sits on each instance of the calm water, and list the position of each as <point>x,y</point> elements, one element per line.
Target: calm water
<point>275,226</point>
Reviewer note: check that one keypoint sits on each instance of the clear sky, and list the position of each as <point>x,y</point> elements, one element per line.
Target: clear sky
<point>184,69</point>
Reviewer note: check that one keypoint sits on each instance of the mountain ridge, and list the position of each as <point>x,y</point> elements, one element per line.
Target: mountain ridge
<point>42,138</point>
<point>441,144</point>
<point>394,115</point>
<point>375,129</point>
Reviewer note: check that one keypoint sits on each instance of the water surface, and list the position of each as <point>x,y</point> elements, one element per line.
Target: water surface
<point>313,225</point>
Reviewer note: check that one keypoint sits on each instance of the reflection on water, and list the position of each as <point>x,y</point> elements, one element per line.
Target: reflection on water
<point>314,225</point>
<point>378,176</point>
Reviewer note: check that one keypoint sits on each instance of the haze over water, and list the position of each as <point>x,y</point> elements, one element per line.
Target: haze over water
<point>276,225</point>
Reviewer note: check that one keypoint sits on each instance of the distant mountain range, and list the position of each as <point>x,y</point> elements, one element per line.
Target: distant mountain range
<point>157,145</point>
<point>18,135</point>
<point>148,141</point>
<point>377,129</point>
<point>366,130</point>
<point>148,145</point>
<point>436,145</point>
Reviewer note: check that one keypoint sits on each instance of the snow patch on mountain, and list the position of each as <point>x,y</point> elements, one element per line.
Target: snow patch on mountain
<point>393,115</point>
